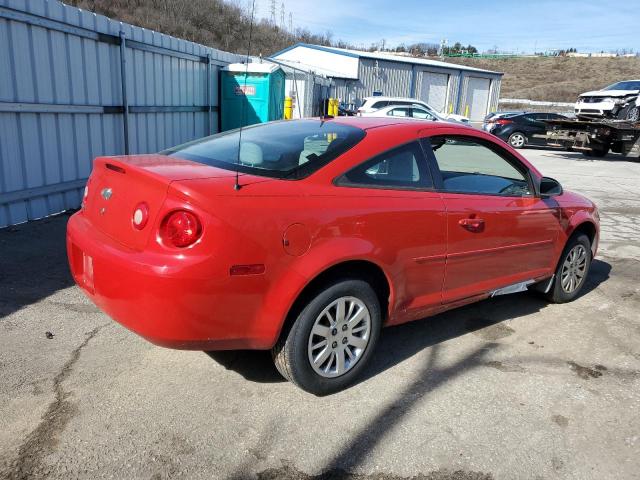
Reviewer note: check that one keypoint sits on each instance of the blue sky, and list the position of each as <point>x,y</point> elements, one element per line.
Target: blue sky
<point>515,25</point>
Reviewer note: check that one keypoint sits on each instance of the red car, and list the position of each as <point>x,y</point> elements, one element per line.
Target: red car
<point>306,237</point>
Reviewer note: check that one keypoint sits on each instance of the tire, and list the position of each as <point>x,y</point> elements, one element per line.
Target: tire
<point>597,151</point>
<point>633,114</point>
<point>517,140</point>
<point>577,245</point>
<point>294,352</point>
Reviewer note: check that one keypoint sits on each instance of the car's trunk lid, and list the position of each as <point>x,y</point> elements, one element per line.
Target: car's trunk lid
<point>118,185</point>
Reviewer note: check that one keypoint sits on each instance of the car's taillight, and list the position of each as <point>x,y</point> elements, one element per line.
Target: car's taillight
<point>140,216</point>
<point>503,121</point>
<point>180,229</point>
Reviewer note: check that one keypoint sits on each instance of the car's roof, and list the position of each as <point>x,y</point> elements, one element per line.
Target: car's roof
<point>400,99</point>
<point>367,123</point>
<point>392,107</point>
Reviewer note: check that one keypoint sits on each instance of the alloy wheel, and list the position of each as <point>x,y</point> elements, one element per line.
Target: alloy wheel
<point>574,269</point>
<point>339,337</point>
<point>517,140</point>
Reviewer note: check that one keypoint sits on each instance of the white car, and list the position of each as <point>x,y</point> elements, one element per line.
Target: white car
<point>619,101</point>
<point>406,111</point>
<point>369,104</point>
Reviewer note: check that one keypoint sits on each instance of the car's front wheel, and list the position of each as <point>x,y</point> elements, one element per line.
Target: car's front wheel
<point>633,114</point>
<point>332,338</point>
<point>517,140</point>
<point>573,268</point>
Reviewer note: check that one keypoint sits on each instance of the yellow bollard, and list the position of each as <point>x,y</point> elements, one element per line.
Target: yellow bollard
<point>466,111</point>
<point>451,108</point>
<point>332,107</point>
<point>288,108</point>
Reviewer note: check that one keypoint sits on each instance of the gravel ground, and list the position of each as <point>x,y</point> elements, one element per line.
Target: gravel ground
<point>510,388</point>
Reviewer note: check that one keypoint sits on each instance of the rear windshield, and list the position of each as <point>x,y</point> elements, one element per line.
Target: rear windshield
<point>284,149</point>
<point>629,85</point>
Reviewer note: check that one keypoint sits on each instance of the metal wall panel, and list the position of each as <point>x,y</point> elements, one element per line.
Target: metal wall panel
<point>62,104</point>
<point>495,94</point>
<point>406,80</point>
<point>391,78</point>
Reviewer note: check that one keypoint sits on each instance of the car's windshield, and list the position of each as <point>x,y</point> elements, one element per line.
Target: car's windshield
<point>628,85</point>
<point>283,149</point>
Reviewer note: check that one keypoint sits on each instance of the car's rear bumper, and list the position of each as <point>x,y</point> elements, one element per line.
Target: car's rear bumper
<point>170,301</point>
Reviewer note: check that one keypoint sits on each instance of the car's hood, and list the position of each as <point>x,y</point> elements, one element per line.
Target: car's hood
<point>453,116</point>
<point>610,93</point>
<point>573,199</point>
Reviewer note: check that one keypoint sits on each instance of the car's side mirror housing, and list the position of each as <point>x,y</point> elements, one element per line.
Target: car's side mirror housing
<point>550,187</point>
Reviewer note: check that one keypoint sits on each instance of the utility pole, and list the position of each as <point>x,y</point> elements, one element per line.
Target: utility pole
<point>273,12</point>
<point>291,22</point>
<point>443,46</point>
<point>282,24</point>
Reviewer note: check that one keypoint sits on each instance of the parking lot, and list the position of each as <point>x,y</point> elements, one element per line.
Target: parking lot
<point>510,388</point>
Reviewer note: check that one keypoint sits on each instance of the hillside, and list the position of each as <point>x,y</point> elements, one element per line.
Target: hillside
<point>215,23</point>
<point>224,25</point>
<point>559,79</point>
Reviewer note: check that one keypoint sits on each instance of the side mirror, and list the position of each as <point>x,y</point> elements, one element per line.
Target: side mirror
<point>549,187</point>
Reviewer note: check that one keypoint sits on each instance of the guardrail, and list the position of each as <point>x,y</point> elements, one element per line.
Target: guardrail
<point>539,103</point>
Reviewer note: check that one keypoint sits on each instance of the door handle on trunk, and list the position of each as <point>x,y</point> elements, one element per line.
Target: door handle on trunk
<point>474,225</point>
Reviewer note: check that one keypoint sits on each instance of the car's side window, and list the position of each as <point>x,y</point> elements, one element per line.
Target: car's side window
<point>420,113</point>
<point>380,104</point>
<point>399,112</point>
<point>402,167</point>
<point>467,165</point>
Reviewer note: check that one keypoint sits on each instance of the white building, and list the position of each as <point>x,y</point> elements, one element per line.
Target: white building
<point>445,86</point>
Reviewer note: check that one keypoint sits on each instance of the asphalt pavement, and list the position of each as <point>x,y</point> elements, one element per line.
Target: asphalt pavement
<point>509,388</point>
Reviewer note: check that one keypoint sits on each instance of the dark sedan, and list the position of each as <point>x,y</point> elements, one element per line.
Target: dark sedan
<point>521,130</point>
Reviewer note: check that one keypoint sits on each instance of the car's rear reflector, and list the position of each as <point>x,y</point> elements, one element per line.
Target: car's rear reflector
<point>253,269</point>
<point>140,216</point>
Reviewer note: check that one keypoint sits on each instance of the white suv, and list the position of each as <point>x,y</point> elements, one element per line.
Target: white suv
<point>370,104</point>
<point>619,101</point>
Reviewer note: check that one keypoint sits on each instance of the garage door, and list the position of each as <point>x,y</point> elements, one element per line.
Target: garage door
<point>434,90</point>
<point>477,97</point>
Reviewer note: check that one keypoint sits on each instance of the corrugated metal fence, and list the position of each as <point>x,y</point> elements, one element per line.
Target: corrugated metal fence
<point>75,85</point>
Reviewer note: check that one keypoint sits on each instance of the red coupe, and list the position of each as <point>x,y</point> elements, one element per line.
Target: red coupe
<point>306,237</point>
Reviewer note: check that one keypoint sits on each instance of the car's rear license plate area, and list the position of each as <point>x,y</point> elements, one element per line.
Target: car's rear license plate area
<point>82,268</point>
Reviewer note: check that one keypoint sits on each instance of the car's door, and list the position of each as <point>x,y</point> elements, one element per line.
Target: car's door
<point>421,113</point>
<point>535,126</point>
<point>399,112</point>
<point>499,232</point>
<point>404,217</point>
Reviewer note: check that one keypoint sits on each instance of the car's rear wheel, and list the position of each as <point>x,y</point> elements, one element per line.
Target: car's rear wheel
<point>597,151</point>
<point>517,140</point>
<point>572,271</point>
<point>332,338</point>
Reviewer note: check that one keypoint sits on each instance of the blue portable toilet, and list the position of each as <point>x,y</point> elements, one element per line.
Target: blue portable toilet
<point>251,93</point>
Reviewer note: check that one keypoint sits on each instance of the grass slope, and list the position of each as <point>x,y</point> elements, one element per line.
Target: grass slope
<point>559,79</point>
